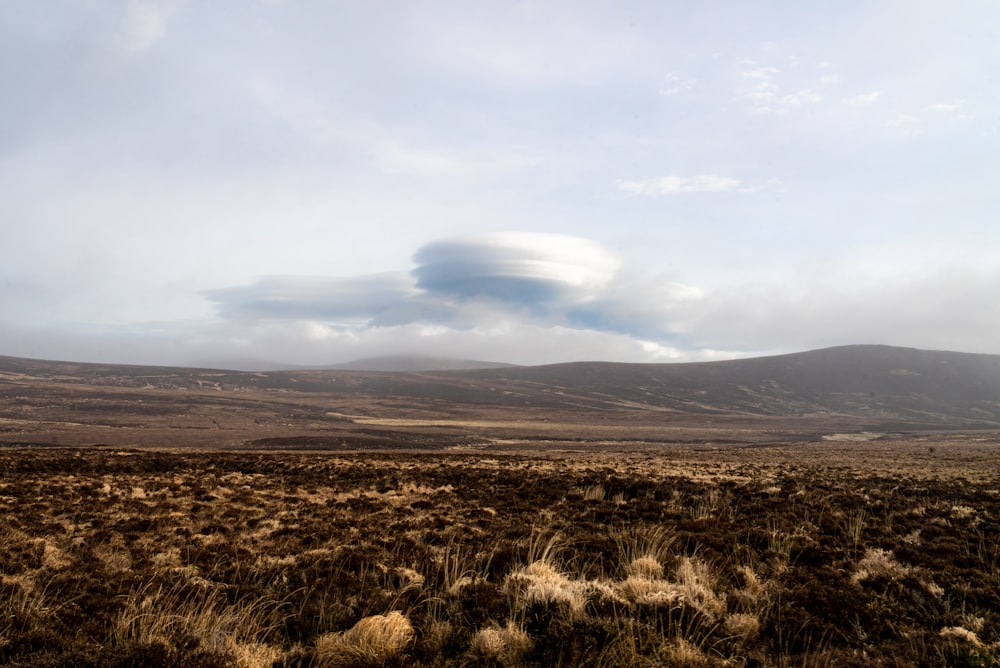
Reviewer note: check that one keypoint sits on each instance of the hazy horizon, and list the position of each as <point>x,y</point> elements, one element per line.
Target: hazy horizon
<point>309,184</point>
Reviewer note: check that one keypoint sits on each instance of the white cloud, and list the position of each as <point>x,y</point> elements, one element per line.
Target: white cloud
<point>902,122</point>
<point>767,95</point>
<point>862,100</point>
<point>669,185</point>
<point>946,107</point>
<point>145,22</point>
<point>762,73</point>
<point>674,84</point>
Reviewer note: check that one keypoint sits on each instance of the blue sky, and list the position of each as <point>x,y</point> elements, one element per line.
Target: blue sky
<point>306,182</point>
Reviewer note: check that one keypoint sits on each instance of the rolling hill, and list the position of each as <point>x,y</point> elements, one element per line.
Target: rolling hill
<point>867,382</point>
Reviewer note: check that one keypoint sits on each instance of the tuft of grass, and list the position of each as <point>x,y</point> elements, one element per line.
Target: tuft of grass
<point>645,544</point>
<point>878,563</point>
<point>372,640</point>
<point>856,526</point>
<point>176,616</point>
<point>506,645</point>
<point>540,583</point>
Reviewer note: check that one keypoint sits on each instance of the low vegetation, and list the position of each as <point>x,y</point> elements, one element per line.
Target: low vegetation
<point>725,557</point>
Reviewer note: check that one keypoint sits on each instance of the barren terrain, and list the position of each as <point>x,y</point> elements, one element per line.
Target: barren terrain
<point>162,517</point>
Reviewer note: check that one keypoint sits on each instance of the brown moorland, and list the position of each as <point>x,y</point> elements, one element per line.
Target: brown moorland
<point>836,508</point>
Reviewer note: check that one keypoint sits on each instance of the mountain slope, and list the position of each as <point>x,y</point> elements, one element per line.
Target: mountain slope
<point>869,382</point>
<point>855,380</point>
<point>415,363</point>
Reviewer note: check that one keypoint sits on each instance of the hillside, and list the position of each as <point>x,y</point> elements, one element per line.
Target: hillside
<point>880,382</point>
<point>789,398</point>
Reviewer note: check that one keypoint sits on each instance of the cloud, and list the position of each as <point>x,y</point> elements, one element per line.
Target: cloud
<point>669,185</point>
<point>776,91</point>
<point>517,267</point>
<point>943,307</point>
<point>145,22</point>
<point>541,298</point>
<point>863,100</point>
<point>675,84</point>
<point>906,122</point>
<point>311,297</point>
<point>469,283</point>
<point>946,107</point>
<point>761,73</point>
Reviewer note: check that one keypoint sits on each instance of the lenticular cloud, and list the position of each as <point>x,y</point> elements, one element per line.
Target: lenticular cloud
<point>522,268</point>
<point>546,280</point>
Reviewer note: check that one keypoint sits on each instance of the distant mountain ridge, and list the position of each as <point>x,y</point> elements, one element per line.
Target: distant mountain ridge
<point>415,363</point>
<point>875,383</point>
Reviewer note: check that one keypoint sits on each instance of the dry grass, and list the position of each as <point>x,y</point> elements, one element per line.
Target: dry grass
<point>174,616</point>
<point>507,645</point>
<point>371,641</point>
<point>878,563</point>
<point>296,560</point>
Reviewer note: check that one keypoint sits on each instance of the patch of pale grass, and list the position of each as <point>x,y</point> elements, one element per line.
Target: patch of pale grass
<point>646,592</point>
<point>754,594</point>
<point>693,585</point>
<point>170,558</point>
<point>742,625</point>
<point>645,568</point>
<point>192,575</point>
<point>603,592</point>
<point>642,547</point>
<point>696,584</point>
<point>932,588</point>
<point>55,558</point>
<point>962,634</point>
<point>254,655</point>
<point>373,639</point>
<point>973,622</point>
<point>114,555</point>
<point>879,563</point>
<point>411,579</point>
<point>962,512</point>
<point>540,582</point>
<point>684,654</point>
<point>507,645</point>
<point>167,615</point>
<point>30,599</point>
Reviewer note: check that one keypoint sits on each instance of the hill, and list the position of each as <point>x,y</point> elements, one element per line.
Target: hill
<point>861,381</point>
<point>802,396</point>
<point>415,363</point>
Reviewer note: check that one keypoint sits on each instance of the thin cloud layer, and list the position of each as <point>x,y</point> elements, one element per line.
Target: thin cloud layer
<point>668,185</point>
<point>355,299</point>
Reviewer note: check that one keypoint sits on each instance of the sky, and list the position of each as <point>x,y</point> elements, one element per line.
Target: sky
<point>303,182</point>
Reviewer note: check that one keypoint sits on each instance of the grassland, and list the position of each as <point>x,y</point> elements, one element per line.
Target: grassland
<point>837,552</point>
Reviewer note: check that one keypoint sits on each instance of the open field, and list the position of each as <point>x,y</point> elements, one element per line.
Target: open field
<point>840,508</point>
<point>829,553</point>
